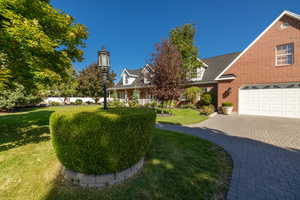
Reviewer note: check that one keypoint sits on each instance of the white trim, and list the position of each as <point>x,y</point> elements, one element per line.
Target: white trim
<point>251,44</point>
<point>125,70</point>
<point>204,64</point>
<point>227,78</point>
<point>286,54</point>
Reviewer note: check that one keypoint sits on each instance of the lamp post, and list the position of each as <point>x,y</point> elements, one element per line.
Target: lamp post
<point>104,64</point>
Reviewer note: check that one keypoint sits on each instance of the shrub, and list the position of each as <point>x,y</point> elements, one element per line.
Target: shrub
<point>185,106</point>
<point>89,102</point>
<point>163,111</point>
<point>99,142</point>
<point>116,103</point>
<point>192,94</point>
<point>78,101</point>
<point>206,99</point>
<point>227,104</point>
<point>154,104</point>
<point>207,109</point>
<point>133,103</point>
<point>17,97</point>
<point>54,103</point>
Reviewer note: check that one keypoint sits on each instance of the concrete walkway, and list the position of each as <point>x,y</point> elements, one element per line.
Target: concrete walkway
<point>265,153</point>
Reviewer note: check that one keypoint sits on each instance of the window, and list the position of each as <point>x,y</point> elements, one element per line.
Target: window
<point>284,54</point>
<point>126,79</point>
<point>284,25</point>
<point>196,74</point>
<point>121,95</point>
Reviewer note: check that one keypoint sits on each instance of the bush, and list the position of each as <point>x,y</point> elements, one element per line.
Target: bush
<point>154,104</point>
<point>133,103</point>
<point>207,109</point>
<point>206,99</point>
<point>163,111</point>
<point>78,101</point>
<point>116,103</point>
<point>192,93</point>
<point>185,106</point>
<point>54,103</point>
<point>89,102</point>
<point>227,104</point>
<point>17,97</point>
<point>100,142</point>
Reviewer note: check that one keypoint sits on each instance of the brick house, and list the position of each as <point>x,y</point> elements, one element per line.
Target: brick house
<point>263,79</point>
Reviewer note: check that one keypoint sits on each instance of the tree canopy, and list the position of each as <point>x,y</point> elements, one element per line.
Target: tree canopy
<point>167,72</point>
<point>90,82</point>
<point>38,42</point>
<point>183,38</point>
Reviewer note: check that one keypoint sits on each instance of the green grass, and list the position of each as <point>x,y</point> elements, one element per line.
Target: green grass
<point>177,167</point>
<point>182,117</point>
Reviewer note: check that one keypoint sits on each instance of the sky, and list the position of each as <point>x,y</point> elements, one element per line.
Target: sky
<point>129,29</point>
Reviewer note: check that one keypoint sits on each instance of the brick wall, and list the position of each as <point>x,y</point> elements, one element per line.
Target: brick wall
<point>257,65</point>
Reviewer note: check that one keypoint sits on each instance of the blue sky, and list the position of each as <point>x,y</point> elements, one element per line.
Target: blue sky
<point>130,28</point>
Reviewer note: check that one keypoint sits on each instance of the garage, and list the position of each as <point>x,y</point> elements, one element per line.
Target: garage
<point>278,100</point>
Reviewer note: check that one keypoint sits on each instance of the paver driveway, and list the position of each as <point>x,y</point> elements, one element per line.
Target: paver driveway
<point>265,153</point>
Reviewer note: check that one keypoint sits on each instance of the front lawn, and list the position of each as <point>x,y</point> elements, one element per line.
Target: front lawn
<point>177,167</point>
<point>182,116</point>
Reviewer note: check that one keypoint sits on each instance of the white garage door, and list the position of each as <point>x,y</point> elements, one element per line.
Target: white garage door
<point>281,100</point>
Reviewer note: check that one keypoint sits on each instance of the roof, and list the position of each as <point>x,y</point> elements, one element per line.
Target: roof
<point>215,65</point>
<point>288,13</point>
<point>138,82</point>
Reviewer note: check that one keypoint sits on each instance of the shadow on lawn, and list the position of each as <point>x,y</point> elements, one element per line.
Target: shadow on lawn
<point>255,162</point>
<point>177,167</point>
<point>20,129</point>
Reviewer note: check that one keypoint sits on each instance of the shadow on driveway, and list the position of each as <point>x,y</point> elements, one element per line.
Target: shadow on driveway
<point>261,170</point>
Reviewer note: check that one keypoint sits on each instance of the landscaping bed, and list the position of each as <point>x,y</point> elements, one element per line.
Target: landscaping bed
<point>177,166</point>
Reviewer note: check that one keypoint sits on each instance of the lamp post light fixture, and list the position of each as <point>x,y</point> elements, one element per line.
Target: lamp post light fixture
<point>104,64</point>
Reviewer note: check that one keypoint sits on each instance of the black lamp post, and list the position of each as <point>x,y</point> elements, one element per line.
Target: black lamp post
<point>104,64</point>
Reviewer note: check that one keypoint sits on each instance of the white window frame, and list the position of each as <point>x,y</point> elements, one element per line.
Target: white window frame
<point>286,54</point>
<point>199,74</point>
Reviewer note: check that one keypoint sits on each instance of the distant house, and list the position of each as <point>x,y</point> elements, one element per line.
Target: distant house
<point>263,79</point>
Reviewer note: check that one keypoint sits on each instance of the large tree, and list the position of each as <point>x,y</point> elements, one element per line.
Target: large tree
<point>90,82</point>
<point>38,43</point>
<point>183,38</point>
<point>167,72</point>
<point>63,87</point>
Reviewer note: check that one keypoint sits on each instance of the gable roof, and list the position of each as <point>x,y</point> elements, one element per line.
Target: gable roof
<point>288,13</point>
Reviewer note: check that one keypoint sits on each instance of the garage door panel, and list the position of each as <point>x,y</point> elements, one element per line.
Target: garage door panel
<point>281,102</point>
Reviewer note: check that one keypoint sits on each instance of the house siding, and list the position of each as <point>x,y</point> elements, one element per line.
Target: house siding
<point>257,65</point>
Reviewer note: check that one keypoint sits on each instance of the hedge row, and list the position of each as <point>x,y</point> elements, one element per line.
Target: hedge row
<point>99,142</point>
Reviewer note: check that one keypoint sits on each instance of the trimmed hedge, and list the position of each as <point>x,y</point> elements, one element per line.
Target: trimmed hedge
<point>100,142</point>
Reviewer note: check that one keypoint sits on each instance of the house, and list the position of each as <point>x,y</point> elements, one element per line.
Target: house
<point>137,80</point>
<point>263,79</point>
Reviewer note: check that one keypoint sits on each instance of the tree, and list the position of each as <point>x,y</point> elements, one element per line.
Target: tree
<point>90,81</point>
<point>65,87</point>
<point>38,42</point>
<point>167,72</point>
<point>183,39</point>
<point>192,93</point>
<point>16,97</point>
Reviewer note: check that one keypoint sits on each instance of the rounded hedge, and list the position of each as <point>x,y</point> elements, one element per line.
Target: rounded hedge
<point>100,142</point>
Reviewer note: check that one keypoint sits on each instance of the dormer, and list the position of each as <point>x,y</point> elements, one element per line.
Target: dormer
<point>128,78</point>
<point>145,71</point>
<point>196,74</point>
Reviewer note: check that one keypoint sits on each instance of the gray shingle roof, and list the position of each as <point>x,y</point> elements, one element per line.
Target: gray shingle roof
<point>215,64</point>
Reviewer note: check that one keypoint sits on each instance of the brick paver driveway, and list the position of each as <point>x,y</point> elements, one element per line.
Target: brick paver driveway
<point>265,153</point>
